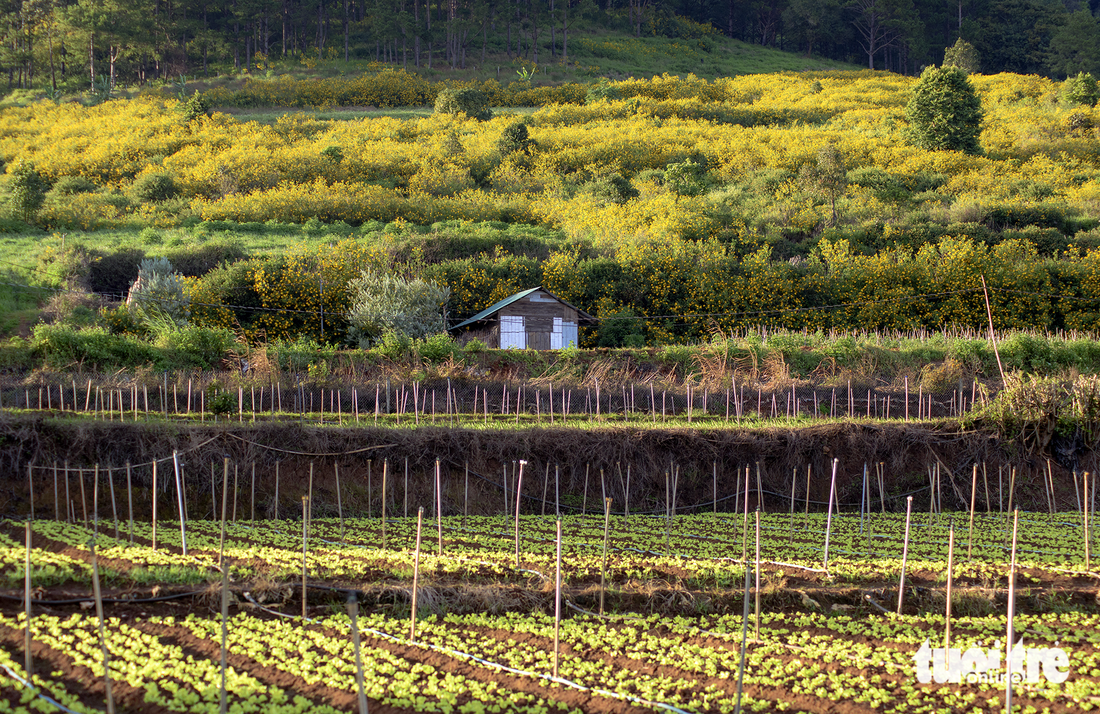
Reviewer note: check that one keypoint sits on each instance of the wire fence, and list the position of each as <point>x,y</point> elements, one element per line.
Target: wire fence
<point>207,396</point>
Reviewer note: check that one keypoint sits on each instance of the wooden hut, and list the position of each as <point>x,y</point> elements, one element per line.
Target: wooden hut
<point>534,319</point>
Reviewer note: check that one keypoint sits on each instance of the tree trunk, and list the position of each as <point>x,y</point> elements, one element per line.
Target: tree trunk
<point>91,60</point>
<point>346,24</point>
<point>53,75</point>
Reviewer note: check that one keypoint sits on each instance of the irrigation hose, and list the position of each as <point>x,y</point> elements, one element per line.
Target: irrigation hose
<point>39,694</point>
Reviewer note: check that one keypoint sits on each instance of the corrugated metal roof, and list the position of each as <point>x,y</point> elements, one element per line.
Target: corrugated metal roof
<point>513,298</point>
<point>499,306</point>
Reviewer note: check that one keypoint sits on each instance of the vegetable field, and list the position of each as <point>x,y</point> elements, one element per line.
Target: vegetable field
<point>462,618</point>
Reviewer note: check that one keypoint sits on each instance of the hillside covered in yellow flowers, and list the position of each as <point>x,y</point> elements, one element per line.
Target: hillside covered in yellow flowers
<point>678,202</point>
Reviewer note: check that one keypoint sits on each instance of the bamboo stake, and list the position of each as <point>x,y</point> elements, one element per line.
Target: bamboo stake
<point>95,500</point>
<point>973,495</point>
<point>275,504</point>
<point>950,576</point>
<point>439,501</point>
<point>68,501</point>
<point>385,476</point>
<point>1085,516</point>
<point>30,488</point>
<point>225,582</point>
<point>545,487</point>
<point>154,501</point>
<point>756,635</point>
<point>603,561</point>
<point>416,574</point>
<point>466,495</point>
<point>339,500</point>
<point>794,478</point>
<point>829,516</point>
<point>584,496</point>
<point>985,480</point>
<point>305,540</point>
<point>28,660</point>
<point>904,551</point>
<point>179,499</point>
<point>1011,615</point>
<point>129,497</point>
<point>809,469</point>
<point>519,487</point>
<point>744,638</point>
<point>102,634</point>
<point>557,602</point>
<point>84,505</point>
<point>1011,488</point>
<point>56,496</point>
<point>353,614</point>
<point>253,498</point>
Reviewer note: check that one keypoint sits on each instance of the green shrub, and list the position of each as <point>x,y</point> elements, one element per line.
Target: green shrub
<point>962,55</point>
<point>158,297</point>
<point>945,112</point>
<point>514,138</point>
<point>436,348</point>
<point>1081,89</point>
<point>154,188</point>
<point>472,102</point>
<point>71,185</point>
<point>64,347</point>
<point>614,188</point>
<point>28,190</point>
<point>384,303</point>
<point>195,347</point>
<point>687,178</point>
<point>602,91</point>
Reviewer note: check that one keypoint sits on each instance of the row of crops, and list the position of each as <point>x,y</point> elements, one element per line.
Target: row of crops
<point>841,640</point>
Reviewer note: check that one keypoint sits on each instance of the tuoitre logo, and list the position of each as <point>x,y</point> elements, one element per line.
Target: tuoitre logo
<point>956,666</point>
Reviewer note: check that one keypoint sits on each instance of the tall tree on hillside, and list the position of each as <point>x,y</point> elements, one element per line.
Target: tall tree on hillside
<point>1076,46</point>
<point>808,21</point>
<point>879,23</point>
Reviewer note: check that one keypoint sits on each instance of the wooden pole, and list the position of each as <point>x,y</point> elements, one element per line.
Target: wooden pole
<point>416,574</point>
<point>466,495</point>
<point>253,499</point>
<point>904,551</point>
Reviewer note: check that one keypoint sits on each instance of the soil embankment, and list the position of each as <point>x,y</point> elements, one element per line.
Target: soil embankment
<point>707,461</point>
